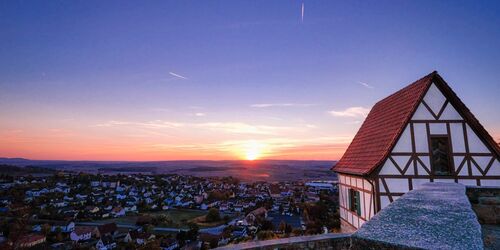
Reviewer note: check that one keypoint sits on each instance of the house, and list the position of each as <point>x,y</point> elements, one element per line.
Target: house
<point>64,226</point>
<point>30,240</point>
<point>239,232</point>
<point>82,233</point>
<point>105,243</point>
<point>252,217</point>
<point>107,229</point>
<point>118,212</point>
<point>422,133</point>
<point>92,209</point>
<point>169,244</point>
<point>140,238</point>
<point>213,240</point>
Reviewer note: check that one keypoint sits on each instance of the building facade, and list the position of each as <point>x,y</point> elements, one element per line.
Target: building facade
<point>422,133</point>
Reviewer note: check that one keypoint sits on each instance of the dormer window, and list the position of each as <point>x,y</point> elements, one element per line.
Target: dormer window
<point>440,155</point>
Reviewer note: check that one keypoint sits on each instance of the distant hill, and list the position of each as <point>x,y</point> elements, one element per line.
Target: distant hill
<point>269,170</point>
<point>16,170</point>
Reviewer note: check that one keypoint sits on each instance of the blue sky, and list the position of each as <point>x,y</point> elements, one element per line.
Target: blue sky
<point>197,79</point>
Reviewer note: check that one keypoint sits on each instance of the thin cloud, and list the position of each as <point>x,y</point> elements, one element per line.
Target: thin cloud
<point>199,114</point>
<point>178,76</point>
<point>270,105</point>
<point>351,112</point>
<point>225,127</point>
<point>366,85</point>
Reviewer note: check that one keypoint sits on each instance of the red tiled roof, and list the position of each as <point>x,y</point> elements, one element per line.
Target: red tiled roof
<point>26,239</point>
<point>108,228</point>
<point>387,119</point>
<point>381,128</point>
<point>80,230</point>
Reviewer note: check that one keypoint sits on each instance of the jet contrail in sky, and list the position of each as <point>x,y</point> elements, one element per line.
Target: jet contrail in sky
<point>177,75</point>
<point>302,13</point>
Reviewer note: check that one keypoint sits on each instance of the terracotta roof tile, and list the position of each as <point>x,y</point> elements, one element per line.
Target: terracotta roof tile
<point>381,128</point>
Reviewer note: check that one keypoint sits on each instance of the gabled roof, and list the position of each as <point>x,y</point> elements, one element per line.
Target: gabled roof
<point>386,121</point>
<point>107,228</point>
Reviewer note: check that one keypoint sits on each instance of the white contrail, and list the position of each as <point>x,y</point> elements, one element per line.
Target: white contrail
<point>270,105</point>
<point>366,85</point>
<point>177,75</point>
<point>302,13</point>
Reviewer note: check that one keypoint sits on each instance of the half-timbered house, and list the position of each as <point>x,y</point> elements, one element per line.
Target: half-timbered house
<point>422,133</point>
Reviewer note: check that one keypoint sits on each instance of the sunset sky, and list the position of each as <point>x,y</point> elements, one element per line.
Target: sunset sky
<point>170,80</point>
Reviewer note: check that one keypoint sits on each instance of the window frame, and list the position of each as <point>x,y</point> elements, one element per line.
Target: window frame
<point>449,155</point>
<point>355,201</point>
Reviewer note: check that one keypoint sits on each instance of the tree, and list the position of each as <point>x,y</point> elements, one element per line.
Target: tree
<point>214,242</point>
<point>192,233</point>
<point>288,229</point>
<point>266,225</point>
<point>181,238</point>
<point>149,228</point>
<point>265,235</point>
<point>226,218</point>
<point>282,226</point>
<point>212,215</point>
<point>46,228</point>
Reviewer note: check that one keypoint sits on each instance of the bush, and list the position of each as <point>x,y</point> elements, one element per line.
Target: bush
<point>212,215</point>
<point>265,235</point>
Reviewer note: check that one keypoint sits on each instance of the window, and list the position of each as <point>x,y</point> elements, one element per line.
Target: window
<point>440,155</point>
<point>354,203</point>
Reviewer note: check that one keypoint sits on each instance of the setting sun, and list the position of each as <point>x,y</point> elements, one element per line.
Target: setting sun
<point>253,150</point>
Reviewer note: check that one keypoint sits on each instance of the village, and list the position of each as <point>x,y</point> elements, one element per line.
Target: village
<point>87,211</point>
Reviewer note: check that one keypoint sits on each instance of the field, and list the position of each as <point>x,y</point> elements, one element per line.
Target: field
<point>179,217</point>
<point>249,171</point>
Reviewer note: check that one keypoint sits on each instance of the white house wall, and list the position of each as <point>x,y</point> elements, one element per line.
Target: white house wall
<point>408,165</point>
<point>365,189</point>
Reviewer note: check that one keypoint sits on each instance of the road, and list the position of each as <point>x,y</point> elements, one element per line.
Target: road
<point>129,226</point>
<point>210,230</point>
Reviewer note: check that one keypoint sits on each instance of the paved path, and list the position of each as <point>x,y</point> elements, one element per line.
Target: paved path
<point>210,230</point>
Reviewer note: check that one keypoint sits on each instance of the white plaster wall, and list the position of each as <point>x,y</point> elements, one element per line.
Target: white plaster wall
<point>438,129</point>
<point>467,182</point>
<point>418,182</point>
<point>464,171</point>
<point>475,144</point>
<point>422,113</point>
<point>434,98</point>
<point>427,163</point>
<point>404,142</point>
<point>420,135</point>
<point>364,199</point>
<point>389,169</point>
<point>450,113</point>
<point>457,137</point>
<point>490,183</point>
<point>495,169</point>
<point>397,185</point>
<point>482,161</point>
<point>401,160</point>
<point>445,180</point>
<point>367,202</point>
<point>384,201</point>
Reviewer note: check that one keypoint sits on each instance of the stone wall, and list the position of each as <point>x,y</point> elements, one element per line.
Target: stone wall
<point>485,203</point>
<point>435,216</point>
